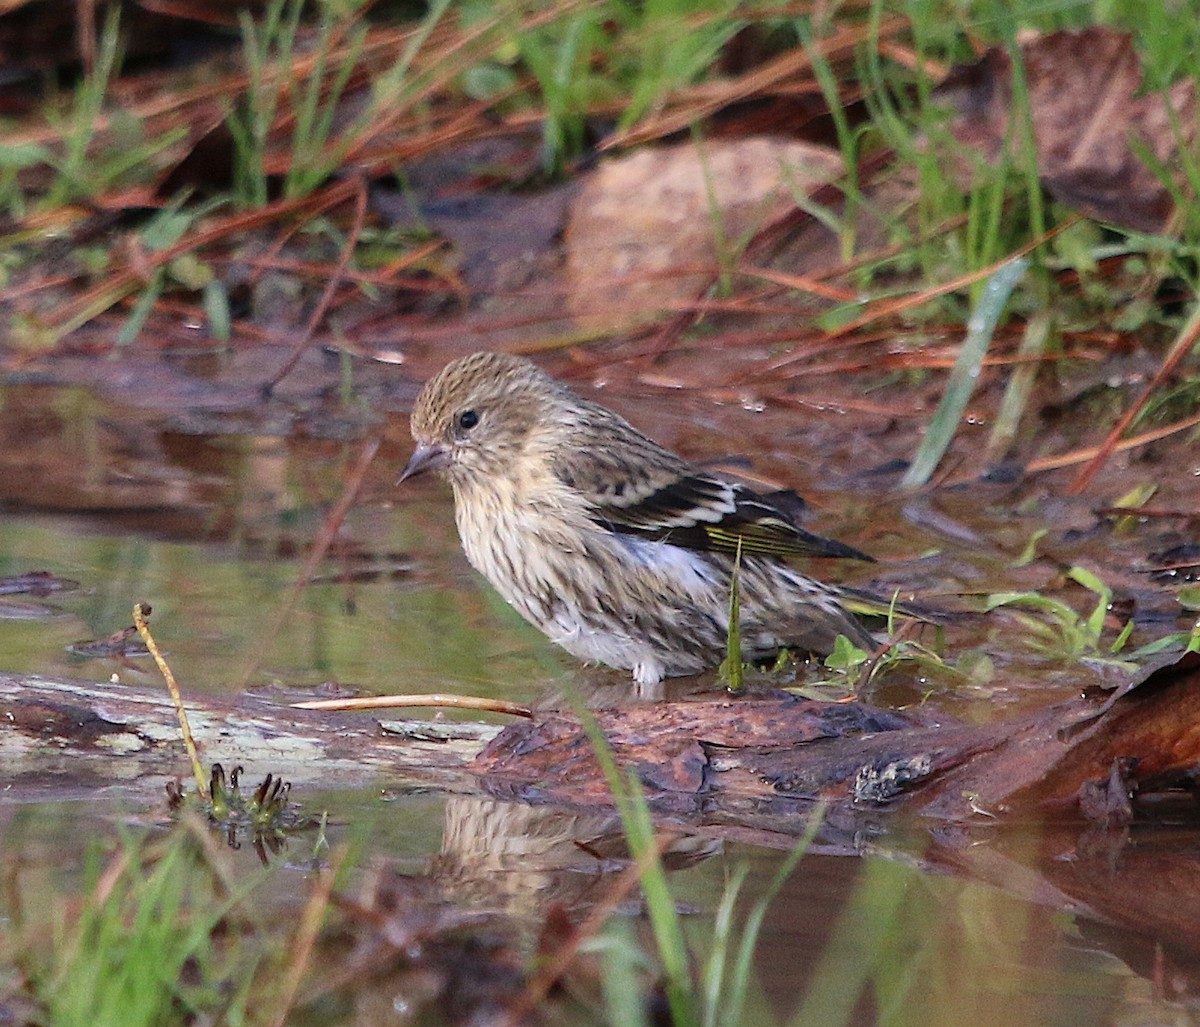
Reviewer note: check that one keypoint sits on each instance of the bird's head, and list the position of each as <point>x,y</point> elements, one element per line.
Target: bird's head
<point>478,414</point>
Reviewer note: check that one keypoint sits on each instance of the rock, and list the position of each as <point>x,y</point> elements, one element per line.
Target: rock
<point>643,235</point>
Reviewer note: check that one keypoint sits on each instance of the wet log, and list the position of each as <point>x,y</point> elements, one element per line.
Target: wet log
<point>79,735</point>
<point>1089,751</point>
<point>747,761</point>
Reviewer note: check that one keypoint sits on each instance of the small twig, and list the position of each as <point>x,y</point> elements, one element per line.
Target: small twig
<point>891,307</point>
<point>350,488</point>
<point>140,612</point>
<point>331,287</point>
<point>116,286</point>
<point>1078,456</point>
<point>791,67</point>
<point>444,699</point>
<point>1181,348</point>
<point>307,934</point>
<point>801,283</point>
<point>85,34</point>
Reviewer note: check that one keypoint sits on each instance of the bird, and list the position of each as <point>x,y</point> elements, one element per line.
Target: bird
<point>617,549</point>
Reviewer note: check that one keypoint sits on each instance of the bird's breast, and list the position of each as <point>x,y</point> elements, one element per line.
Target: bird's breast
<point>517,543</point>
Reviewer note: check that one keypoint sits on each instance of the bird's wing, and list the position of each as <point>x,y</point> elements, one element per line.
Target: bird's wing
<point>699,511</point>
<point>654,494</point>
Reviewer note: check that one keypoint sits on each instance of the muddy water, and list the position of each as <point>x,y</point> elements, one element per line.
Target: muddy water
<point>213,531</point>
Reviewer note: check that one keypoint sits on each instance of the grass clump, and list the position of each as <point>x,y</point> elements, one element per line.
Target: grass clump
<point>707,983</point>
<point>156,939</point>
<point>1058,631</point>
<point>702,987</point>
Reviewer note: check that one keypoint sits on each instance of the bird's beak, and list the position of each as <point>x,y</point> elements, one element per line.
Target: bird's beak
<point>426,457</point>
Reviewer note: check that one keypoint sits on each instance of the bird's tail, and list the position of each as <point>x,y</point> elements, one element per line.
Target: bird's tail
<point>874,607</point>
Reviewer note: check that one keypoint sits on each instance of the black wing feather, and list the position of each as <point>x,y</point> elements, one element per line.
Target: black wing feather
<point>702,512</point>
<point>636,487</point>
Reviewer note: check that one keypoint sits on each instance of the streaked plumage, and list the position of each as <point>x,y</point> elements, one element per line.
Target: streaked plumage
<point>614,547</point>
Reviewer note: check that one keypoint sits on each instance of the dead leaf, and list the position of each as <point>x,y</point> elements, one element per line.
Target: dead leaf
<point>1089,113</point>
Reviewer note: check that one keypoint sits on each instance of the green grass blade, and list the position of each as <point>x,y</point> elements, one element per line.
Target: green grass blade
<point>735,1001</point>
<point>718,958</point>
<point>980,328</point>
<point>660,905</point>
<point>732,671</point>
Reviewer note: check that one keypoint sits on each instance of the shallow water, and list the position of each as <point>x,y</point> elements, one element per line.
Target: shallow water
<point>213,532</point>
<point>373,619</point>
<point>864,940</point>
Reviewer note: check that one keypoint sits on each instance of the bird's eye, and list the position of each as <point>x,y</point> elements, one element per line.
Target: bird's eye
<point>467,420</point>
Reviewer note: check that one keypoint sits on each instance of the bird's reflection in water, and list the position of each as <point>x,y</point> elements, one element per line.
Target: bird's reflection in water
<point>516,858</point>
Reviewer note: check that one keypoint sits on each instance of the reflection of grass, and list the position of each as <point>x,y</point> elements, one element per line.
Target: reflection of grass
<point>715,993</point>
<point>902,946</point>
<point>167,933</point>
<point>709,983</point>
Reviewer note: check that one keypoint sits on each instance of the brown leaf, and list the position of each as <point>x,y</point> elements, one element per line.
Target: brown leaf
<point>1087,106</point>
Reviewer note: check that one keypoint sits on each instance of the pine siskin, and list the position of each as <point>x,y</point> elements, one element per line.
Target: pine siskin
<point>614,547</point>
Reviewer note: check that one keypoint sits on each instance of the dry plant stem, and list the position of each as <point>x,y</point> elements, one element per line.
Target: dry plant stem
<point>140,611</point>
<point>664,339</point>
<point>1094,453</point>
<point>116,286</point>
<point>443,699</point>
<point>891,307</point>
<point>335,280</point>
<point>783,71</point>
<point>329,529</point>
<point>763,241</point>
<point>905,631</point>
<point>312,269</point>
<point>174,105</point>
<point>117,868</point>
<point>214,850</point>
<point>883,253</point>
<point>307,934</point>
<point>540,984</point>
<point>1182,347</point>
<point>36,285</point>
<point>801,283</point>
<point>449,51</point>
<point>85,33</point>
<point>68,950</point>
